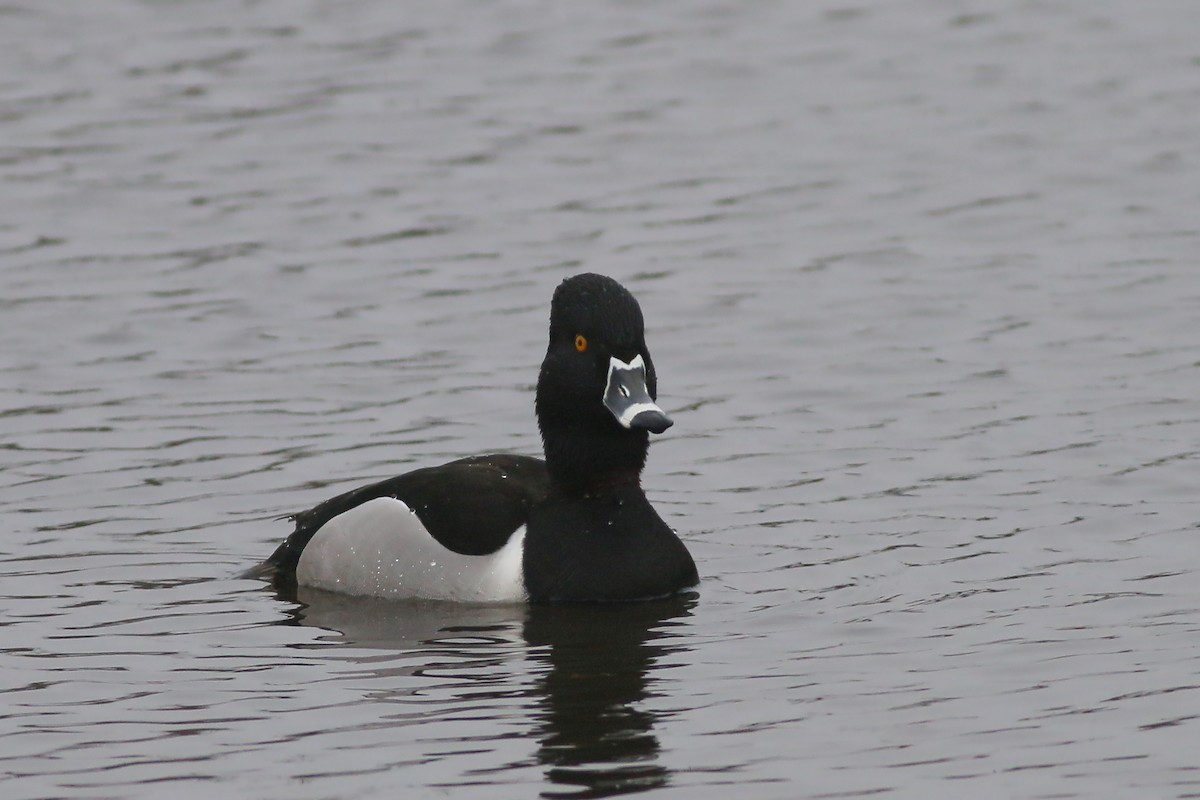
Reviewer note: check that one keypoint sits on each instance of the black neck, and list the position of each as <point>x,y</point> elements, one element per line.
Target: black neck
<point>586,461</point>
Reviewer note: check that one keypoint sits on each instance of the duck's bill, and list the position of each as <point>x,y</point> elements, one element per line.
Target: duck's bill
<point>628,399</point>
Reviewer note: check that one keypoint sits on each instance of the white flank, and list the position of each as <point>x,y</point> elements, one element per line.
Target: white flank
<point>381,549</point>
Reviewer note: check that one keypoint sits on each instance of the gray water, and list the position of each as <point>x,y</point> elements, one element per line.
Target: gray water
<point>922,288</point>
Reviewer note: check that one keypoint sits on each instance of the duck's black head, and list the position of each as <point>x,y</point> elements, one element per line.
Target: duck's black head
<point>597,387</point>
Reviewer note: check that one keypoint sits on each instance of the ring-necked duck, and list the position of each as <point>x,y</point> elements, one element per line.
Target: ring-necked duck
<point>507,528</point>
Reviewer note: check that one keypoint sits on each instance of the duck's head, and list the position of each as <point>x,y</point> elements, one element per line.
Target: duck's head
<point>597,387</point>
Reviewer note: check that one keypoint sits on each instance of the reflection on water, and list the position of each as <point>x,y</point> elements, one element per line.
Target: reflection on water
<point>368,622</point>
<point>594,735</point>
<point>583,670</point>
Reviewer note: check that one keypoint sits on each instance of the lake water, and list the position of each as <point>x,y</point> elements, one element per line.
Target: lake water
<point>922,287</point>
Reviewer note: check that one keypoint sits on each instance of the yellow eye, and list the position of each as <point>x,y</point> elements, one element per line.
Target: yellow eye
<point>581,343</point>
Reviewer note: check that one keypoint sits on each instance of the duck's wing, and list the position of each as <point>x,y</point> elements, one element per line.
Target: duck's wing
<point>470,506</point>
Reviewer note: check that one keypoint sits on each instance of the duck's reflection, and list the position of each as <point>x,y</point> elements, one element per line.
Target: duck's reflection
<point>593,668</point>
<point>596,738</point>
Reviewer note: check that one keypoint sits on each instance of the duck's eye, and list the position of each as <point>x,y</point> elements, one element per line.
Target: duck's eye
<point>581,343</point>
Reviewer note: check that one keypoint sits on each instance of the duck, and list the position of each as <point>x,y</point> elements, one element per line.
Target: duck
<point>572,527</point>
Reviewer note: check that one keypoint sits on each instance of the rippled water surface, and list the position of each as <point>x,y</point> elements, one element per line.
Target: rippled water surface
<point>922,287</point>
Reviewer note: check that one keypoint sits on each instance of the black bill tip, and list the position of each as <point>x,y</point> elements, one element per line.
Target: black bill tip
<point>650,420</point>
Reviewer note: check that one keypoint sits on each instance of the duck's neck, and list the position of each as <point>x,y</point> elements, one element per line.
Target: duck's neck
<point>582,462</point>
